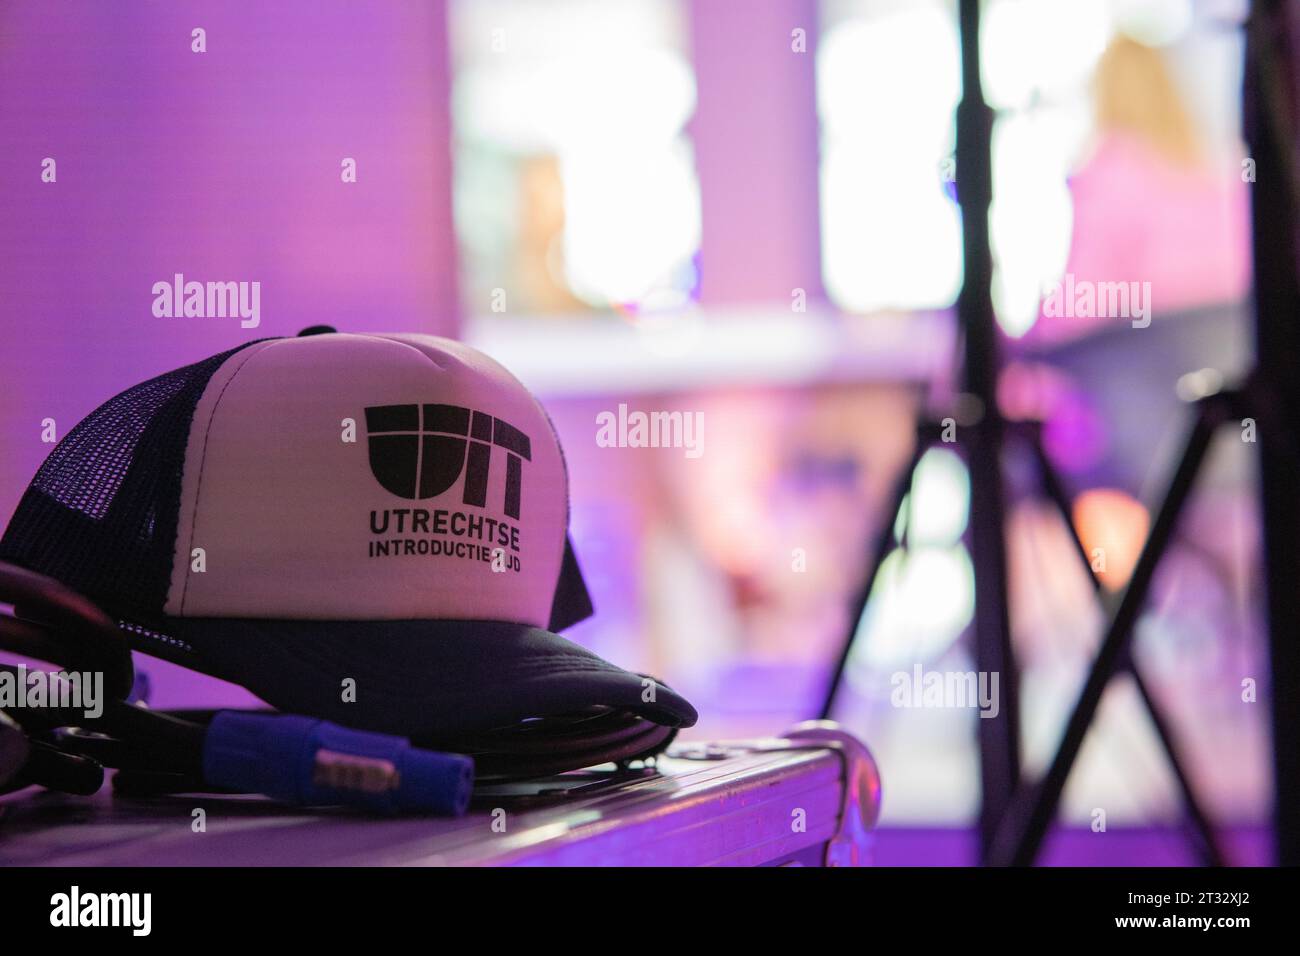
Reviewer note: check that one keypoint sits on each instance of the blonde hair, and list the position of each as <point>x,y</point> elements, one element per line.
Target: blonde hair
<point>1135,93</point>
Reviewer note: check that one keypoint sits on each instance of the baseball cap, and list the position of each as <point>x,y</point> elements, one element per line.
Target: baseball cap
<point>369,528</point>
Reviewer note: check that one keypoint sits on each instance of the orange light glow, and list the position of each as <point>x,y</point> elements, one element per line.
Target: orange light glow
<point>1112,525</point>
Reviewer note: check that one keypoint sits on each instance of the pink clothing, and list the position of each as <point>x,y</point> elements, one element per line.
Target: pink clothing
<point>1140,218</point>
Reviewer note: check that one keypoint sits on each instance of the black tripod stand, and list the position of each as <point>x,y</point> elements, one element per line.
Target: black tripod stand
<point>1271,397</point>
<point>999,737</point>
<point>1028,434</point>
<point>1015,816</point>
<point>1031,811</point>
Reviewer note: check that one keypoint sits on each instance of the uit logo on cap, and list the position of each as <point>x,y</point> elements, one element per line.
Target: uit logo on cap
<point>420,451</point>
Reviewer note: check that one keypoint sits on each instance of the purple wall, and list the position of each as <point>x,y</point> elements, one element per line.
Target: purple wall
<point>755,135</point>
<point>223,165</point>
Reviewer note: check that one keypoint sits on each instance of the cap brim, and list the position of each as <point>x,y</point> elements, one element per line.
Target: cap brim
<point>420,678</point>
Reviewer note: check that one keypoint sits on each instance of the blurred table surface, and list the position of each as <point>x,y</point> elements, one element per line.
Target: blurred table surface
<point>706,804</point>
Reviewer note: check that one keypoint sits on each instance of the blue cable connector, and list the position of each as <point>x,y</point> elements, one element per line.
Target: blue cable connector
<point>310,761</point>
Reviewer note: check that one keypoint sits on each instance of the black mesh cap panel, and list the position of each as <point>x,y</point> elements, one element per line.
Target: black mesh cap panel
<point>101,513</point>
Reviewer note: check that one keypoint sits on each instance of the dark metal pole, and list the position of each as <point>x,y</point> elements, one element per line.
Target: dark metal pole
<point>1205,841</point>
<point>1270,118</point>
<point>999,737</point>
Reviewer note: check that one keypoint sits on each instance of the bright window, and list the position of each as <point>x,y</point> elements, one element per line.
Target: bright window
<point>888,80</point>
<point>573,193</point>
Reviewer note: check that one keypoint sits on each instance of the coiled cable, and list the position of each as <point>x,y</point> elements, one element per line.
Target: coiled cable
<point>183,751</point>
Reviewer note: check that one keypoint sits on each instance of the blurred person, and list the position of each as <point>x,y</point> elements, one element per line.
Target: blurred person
<point>1151,203</point>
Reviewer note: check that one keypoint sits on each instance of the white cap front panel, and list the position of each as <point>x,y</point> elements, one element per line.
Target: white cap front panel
<point>367,477</point>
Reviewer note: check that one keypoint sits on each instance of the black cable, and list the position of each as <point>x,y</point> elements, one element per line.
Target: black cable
<point>157,752</point>
<point>53,622</point>
<point>556,744</point>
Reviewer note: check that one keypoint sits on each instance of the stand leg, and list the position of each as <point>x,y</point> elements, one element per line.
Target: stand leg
<point>884,544</point>
<point>1020,832</point>
<point>1206,844</point>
